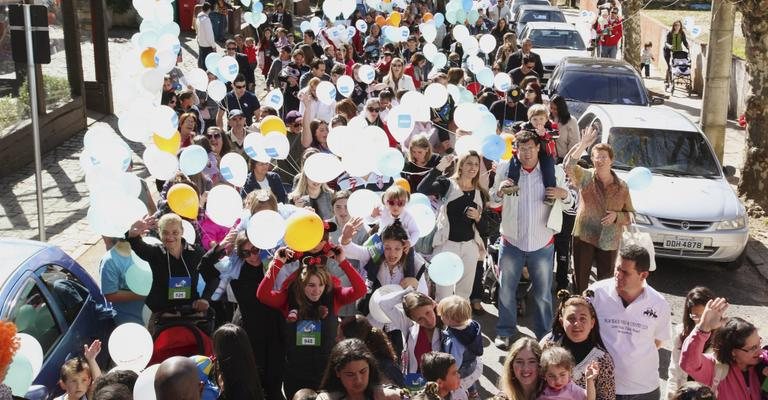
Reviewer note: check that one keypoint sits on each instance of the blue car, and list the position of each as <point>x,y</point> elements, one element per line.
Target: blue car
<point>49,296</point>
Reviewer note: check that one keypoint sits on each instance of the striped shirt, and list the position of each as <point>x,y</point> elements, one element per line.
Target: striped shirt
<point>532,213</point>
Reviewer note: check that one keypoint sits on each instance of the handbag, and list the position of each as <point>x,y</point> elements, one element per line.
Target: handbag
<point>632,235</point>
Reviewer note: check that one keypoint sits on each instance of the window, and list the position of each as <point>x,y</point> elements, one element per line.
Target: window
<point>32,315</point>
<point>556,39</point>
<point>600,88</point>
<point>69,292</point>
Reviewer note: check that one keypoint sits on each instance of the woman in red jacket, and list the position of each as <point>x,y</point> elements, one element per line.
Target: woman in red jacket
<point>310,299</point>
<point>415,67</point>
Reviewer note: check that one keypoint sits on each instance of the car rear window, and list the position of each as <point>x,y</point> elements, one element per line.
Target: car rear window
<point>597,88</point>
<point>556,39</point>
<point>546,16</point>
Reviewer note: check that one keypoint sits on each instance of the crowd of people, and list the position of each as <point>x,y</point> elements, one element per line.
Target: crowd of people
<point>358,315</point>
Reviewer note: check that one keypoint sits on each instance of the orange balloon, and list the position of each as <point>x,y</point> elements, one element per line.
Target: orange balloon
<point>380,21</point>
<point>427,17</point>
<point>403,184</point>
<point>394,18</point>
<point>148,57</point>
<point>509,150</point>
<point>171,145</point>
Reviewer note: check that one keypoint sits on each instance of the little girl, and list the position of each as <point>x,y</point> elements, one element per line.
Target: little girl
<point>282,38</point>
<point>646,58</point>
<point>556,365</point>
<point>395,198</point>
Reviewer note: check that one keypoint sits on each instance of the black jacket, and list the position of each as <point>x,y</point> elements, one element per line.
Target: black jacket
<point>516,59</point>
<point>275,185</point>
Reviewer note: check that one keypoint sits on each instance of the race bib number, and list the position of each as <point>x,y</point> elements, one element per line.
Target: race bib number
<point>180,288</point>
<point>308,333</point>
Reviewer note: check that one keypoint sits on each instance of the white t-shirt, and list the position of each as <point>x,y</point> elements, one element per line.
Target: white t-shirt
<point>629,335</point>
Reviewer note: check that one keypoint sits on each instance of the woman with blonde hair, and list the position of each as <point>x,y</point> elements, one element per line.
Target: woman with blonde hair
<point>396,79</point>
<point>420,161</point>
<point>316,195</point>
<point>463,200</point>
<point>520,376</point>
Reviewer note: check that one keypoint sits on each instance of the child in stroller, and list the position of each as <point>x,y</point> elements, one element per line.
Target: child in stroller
<point>680,71</point>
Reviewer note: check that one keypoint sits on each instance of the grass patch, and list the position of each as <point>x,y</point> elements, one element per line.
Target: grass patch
<point>702,19</point>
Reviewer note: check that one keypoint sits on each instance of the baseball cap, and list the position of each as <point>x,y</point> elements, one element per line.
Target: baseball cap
<point>235,113</point>
<point>291,117</point>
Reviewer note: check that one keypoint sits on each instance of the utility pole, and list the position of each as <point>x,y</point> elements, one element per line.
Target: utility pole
<point>717,81</point>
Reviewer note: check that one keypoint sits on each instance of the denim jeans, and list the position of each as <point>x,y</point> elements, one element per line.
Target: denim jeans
<point>609,51</point>
<point>540,265</point>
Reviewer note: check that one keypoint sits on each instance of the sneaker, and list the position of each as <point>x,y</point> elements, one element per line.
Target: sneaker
<point>502,342</point>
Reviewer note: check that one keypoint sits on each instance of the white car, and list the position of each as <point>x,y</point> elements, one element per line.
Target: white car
<point>690,209</point>
<point>553,41</point>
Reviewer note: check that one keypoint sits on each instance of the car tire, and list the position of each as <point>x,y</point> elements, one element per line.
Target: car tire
<point>735,264</point>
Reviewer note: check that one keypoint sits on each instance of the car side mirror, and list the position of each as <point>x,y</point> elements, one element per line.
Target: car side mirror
<point>657,101</point>
<point>36,392</point>
<point>729,171</point>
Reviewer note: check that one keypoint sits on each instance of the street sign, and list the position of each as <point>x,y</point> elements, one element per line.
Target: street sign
<point>41,47</point>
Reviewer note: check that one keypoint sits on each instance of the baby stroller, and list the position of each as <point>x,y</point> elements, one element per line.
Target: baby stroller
<point>680,72</point>
<point>491,280</point>
<point>182,331</point>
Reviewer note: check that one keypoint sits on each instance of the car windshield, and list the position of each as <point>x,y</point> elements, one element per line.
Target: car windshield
<point>542,15</point>
<point>520,3</point>
<point>663,151</point>
<point>556,39</point>
<point>596,88</point>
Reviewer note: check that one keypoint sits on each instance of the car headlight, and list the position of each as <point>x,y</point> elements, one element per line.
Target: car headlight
<point>731,224</point>
<point>642,219</point>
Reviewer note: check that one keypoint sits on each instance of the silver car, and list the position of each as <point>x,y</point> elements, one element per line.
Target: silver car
<point>690,209</point>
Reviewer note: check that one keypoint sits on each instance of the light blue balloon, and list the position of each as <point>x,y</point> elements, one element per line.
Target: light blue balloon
<point>257,7</point>
<point>420,198</point>
<point>453,5</point>
<point>212,62</point>
<point>487,125</point>
<point>439,19</point>
<point>446,269</point>
<point>138,277</point>
<point>391,163</point>
<point>193,160</point>
<point>466,96</point>
<point>170,28</point>
<point>148,39</point>
<point>19,376</point>
<point>200,285</point>
<point>461,16</point>
<point>450,15</point>
<point>472,16</point>
<point>493,146</point>
<point>639,178</point>
<point>439,60</point>
<point>305,26</point>
<point>466,5</point>
<point>392,34</point>
<point>485,77</point>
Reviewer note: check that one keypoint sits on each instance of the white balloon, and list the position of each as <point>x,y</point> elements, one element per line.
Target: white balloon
<point>163,121</point>
<point>374,308</point>
<point>322,167</point>
<point>106,153</point>
<point>345,85</point>
<point>276,145</point>
<point>326,93</point>
<point>375,141</point>
<point>424,217</point>
<point>217,90</point>
<point>460,33</point>
<point>152,80</point>
<point>339,140</point>
<point>428,31</point>
<point>228,68</point>
<point>265,229</point>
<point>400,122</point>
<point>330,9</point>
<point>274,99</point>
<point>161,165</point>
<point>132,128</point>
<point>30,348</point>
<point>487,43</point>
<point>470,45</point>
<point>361,26</point>
<point>113,215</point>
<point>439,61</point>
<point>467,143</point>
<point>233,169</point>
<point>467,116</point>
<point>198,79</point>
<point>417,103</point>
<point>475,64</point>
<point>253,146</point>
<point>362,202</point>
<point>357,163</point>
<point>224,205</point>
<point>502,81</point>
<point>436,95</point>
<point>366,73</point>
<point>430,51</point>
<point>144,388</point>
<point>130,346</point>
<point>188,231</point>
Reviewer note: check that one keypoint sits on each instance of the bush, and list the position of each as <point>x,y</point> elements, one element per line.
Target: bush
<point>56,91</point>
<point>11,112</point>
<point>119,6</point>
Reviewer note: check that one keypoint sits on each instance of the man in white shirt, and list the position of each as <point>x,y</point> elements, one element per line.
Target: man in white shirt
<point>500,10</point>
<point>205,38</point>
<point>528,226</point>
<point>634,322</point>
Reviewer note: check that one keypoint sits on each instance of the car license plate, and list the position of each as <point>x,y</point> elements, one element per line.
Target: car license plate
<point>684,244</point>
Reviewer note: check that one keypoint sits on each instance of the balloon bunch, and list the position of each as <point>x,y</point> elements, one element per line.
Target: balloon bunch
<point>256,15</point>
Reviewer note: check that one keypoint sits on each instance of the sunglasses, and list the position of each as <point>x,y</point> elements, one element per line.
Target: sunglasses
<point>214,136</point>
<point>374,109</point>
<point>297,125</point>
<point>239,86</point>
<point>398,203</point>
<point>249,252</point>
<point>530,91</point>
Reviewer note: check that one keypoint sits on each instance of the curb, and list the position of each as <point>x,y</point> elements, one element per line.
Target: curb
<point>757,256</point>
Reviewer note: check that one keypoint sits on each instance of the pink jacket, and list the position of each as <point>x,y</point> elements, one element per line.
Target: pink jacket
<point>212,232</point>
<point>701,367</point>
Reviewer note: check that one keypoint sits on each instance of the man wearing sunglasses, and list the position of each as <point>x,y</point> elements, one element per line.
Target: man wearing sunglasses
<point>515,59</point>
<point>242,63</point>
<point>525,69</point>
<point>610,35</point>
<point>239,98</point>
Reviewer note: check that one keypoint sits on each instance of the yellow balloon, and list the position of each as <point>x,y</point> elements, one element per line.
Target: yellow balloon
<point>273,123</point>
<point>171,145</point>
<point>394,18</point>
<point>304,231</point>
<point>403,184</point>
<point>509,149</point>
<point>183,200</point>
<point>148,57</point>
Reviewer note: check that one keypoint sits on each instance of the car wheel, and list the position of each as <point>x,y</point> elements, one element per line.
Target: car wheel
<point>735,264</point>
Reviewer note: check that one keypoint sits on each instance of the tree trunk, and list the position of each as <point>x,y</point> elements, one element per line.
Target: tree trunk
<point>631,31</point>
<point>754,25</point>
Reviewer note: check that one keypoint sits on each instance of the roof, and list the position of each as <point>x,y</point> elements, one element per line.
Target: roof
<point>632,116</point>
<point>605,65</point>
<point>559,26</point>
<point>538,7</point>
<point>15,252</point>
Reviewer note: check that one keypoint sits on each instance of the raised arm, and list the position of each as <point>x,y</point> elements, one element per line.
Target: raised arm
<point>275,298</point>
<point>145,251</point>
<point>358,288</point>
<point>431,185</point>
<point>588,136</point>
<point>692,358</point>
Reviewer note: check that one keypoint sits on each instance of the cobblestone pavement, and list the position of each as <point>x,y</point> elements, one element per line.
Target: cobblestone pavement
<point>65,195</point>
